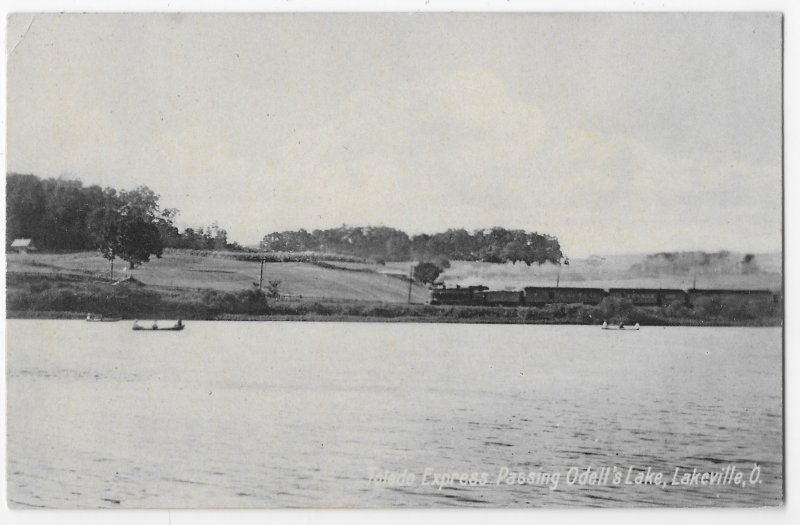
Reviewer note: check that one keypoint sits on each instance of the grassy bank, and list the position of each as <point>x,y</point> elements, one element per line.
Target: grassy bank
<point>30,295</point>
<point>57,296</point>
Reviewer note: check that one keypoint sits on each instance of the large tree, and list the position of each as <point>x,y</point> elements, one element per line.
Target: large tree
<point>130,227</point>
<point>426,272</point>
<point>132,240</point>
<point>138,241</point>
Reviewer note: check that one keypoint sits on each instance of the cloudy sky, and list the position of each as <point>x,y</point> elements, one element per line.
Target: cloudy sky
<point>616,133</point>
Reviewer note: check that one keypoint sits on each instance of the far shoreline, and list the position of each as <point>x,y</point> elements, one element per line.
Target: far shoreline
<point>317,318</point>
<point>181,286</point>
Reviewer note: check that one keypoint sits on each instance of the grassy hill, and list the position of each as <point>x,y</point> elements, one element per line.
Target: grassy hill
<point>298,280</point>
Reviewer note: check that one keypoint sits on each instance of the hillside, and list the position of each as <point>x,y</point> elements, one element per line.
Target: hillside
<point>305,280</point>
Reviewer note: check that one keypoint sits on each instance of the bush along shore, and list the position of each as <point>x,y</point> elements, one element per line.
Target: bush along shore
<point>65,296</point>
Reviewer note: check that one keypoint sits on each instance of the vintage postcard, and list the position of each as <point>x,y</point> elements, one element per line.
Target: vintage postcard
<point>537,257</point>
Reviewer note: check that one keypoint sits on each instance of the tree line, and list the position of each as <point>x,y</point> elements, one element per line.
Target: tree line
<point>495,245</point>
<point>64,215</point>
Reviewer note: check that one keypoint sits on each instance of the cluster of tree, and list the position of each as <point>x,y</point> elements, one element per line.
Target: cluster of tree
<point>697,262</point>
<point>496,245</point>
<point>380,243</point>
<point>57,214</point>
<point>63,215</point>
<point>211,237</point>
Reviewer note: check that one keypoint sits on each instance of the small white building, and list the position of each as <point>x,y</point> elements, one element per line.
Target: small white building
<point>23,245</point>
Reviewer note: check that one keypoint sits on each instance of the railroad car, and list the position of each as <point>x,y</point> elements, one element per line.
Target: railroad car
<point>751,296</point>
<point>542,295</point>
<point>502,298</point>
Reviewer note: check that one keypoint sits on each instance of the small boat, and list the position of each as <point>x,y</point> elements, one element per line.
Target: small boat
<point>160,325</point>
<point>620,326</point>
<point>98,318</point>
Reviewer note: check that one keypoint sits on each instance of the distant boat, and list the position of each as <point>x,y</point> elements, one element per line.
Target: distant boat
<point>620,326</point>
<point>98,318</point>
<point>160,325</point>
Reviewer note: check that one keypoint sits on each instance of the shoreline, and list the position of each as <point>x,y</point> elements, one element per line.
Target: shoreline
<point>70,296</point>
<point>316,318</point>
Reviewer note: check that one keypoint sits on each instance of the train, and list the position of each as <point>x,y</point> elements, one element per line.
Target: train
<point>546,295</point>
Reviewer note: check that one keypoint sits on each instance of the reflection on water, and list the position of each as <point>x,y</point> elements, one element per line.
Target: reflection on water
<point>298,414</point>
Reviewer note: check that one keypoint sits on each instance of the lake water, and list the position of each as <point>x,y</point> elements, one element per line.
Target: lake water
<point>327,414</point>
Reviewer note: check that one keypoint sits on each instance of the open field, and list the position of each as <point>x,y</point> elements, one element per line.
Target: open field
<point>298,280</point>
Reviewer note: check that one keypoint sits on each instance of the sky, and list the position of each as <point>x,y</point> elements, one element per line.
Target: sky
<point>614,132</point>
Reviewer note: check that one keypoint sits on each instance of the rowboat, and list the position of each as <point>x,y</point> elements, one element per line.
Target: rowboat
<point>159,325</point>
<point>607,326</point>
<point>97,318</point>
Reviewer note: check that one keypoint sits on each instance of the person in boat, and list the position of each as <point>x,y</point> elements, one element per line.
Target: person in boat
<point>180,323</point>
<point>622,326</point>
<point>605,324</point>
<point>155,325</point>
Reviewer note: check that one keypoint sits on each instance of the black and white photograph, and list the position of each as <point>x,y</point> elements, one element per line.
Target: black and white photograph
<point>394,259</point>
